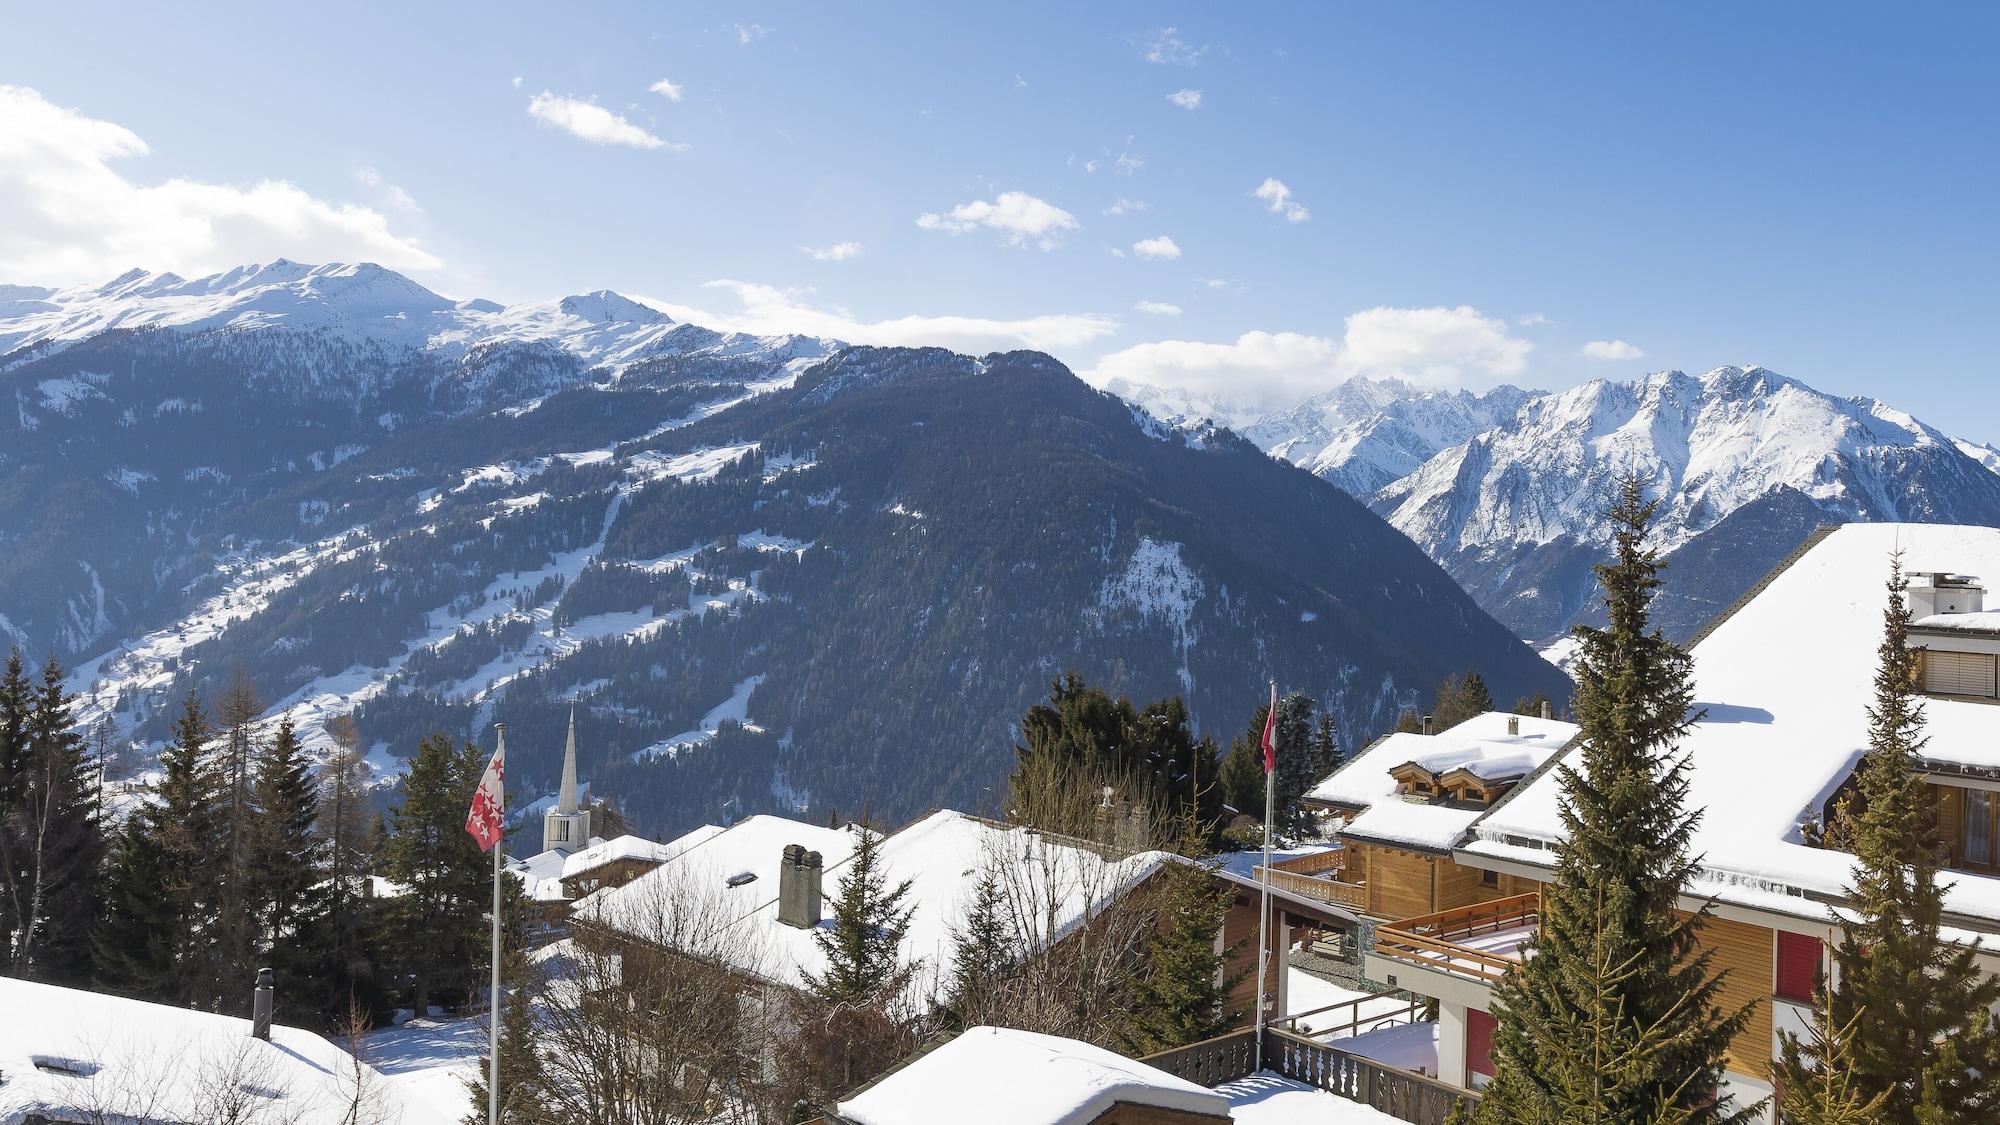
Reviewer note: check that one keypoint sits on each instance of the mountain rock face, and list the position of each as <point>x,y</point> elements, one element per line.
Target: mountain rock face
<point>774,572</point>
<point>1505,488</point>
<point>1733,456</point>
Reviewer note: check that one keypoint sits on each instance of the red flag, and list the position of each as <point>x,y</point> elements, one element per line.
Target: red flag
<point>489,801</point>
<point>1270,742</point>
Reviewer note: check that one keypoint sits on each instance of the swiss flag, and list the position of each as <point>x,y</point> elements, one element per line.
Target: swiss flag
<point>489,801</point>
<point>1270,742</point>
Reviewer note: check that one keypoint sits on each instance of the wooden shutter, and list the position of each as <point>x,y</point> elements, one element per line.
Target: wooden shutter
<point>1959,673</point>
<point>1798,967</point>
<point>1479,1042</point>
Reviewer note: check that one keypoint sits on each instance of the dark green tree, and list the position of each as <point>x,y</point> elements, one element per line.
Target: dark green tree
<point>51,839</point>
<point>1298,769</point>
<point>1818,1075</point>
<point>1922,1034</point>
<point>285,861</point>
<point>1243,774</point>
<point>436,925</point>
<point>1082,740</point>
<point>1460,698</point>
<point>983,945</point>
<point>16,705</point>
<point>869,921</point>
<point>1616,1015</point>
<point>1179,990</point>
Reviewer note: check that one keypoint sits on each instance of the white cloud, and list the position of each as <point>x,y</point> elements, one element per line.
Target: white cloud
<point>767,310</point>
<point>1437,347</point>
<point>1020,215</point>
<point>1124,206</point>
<point>592,122</point>
<point>1129,162</point>
<point>517,81</point>
<point>1158,308</point>
<point>1090,167</point>
<point>1532,320</point>
<point>1216,282</point>
<point>1159,247</point>
<point>666,88</point>
<point>1279,199</point>
<point>748,33</point>
<point>838,252</point>
<point>1186,99</point>
<point>392,194</point>
<point>1611,349</point>
<point>67,215</point>
<point>1167,48</point>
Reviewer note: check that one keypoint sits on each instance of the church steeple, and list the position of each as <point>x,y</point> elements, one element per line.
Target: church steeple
<point>565,828</point>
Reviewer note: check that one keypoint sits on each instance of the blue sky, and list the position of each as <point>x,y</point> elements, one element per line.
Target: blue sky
<point>1471,193</point>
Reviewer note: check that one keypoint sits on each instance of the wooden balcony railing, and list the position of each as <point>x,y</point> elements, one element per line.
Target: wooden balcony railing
<point>1314,863</point>
<point>1344,1020</point>
<point>1438,940</point>
<point>1402,1094</point>
<point>1333,892</point>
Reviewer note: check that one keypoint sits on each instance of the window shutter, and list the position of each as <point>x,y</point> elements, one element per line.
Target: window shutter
<point>1798,967</point>
<point>1959,673</point>
<point>1479,1042</point>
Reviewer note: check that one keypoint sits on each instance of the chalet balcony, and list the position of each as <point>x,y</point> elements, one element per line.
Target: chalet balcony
<point>1481,942</point>
<point>1316,877</point>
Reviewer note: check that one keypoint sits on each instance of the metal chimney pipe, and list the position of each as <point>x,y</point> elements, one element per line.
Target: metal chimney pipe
<point>1545,708</point>
<point>1424,724</point>
<point>260,1018</point>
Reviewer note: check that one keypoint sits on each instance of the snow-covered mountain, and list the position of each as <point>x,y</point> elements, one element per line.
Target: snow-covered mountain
<point>1504,487</point>
<point>1515,513</point>
<point>776,572</point>
<point>1366,433</point>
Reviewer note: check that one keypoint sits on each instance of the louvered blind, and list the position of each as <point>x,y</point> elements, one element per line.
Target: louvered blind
<point>1959,673</point>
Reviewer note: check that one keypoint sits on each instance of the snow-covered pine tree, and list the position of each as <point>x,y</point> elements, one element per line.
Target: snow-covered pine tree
<point>869,921</point>
<point>1923,1035</point>
<point>1616,1016</point>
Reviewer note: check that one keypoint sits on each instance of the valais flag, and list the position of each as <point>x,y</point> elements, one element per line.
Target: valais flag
<point>1270,743</point>
<point>489,801</point>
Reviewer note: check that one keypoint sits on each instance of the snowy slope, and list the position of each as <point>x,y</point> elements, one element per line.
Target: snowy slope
<point>1365,434</point>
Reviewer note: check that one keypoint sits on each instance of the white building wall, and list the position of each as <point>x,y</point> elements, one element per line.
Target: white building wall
<point>1451,1043</point>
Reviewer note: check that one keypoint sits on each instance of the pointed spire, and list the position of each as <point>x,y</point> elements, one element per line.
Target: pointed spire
<point>566,800</point>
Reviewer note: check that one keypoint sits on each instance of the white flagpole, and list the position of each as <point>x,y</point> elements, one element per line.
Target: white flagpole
<point>1264,881</point>
<point>493,1020</point>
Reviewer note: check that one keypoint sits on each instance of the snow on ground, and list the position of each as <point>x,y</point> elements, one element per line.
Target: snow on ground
<point>699,465</point>
<point>429,1061</point>
<point>736,707</point>
<point>1271,1099</point>
<point>1305,993</point>
<point>1409,1046</point>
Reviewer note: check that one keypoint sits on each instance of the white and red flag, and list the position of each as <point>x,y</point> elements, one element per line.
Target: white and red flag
<point>1270,743</point>
<point>489,801</point>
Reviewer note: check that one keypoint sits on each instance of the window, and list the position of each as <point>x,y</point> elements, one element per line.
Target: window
<point>1959,673</point>
<point>1799,957</point>
<point>1489,878</point>
<point>1978,827</point>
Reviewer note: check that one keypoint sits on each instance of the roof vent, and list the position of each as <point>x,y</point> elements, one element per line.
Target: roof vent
<point>57,1064</point>
<point>1933,593</point>
<point>741,877</point>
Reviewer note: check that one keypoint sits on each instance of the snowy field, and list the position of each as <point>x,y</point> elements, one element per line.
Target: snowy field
<point>430,1060</point>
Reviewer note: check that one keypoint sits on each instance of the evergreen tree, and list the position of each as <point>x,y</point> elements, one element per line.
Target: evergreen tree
<point>1179,991</point>
<point>16,704</point>
<point>869,921</point>
<point>1297,769</point>
<point>134,936</point>
<point>349,934</point>
<point>51,842</point>
<point>287,873</point>
<point>1082,740</point>
<point>1818,1076</point>
<point>1243,774</point>
<point>982,949</point>
<point>1325,752</point>
<point>1615,1015</point>
<point>1460,698</point>
<point>236,932</point>
<point>436,924</point>
<point>1922,1036</point>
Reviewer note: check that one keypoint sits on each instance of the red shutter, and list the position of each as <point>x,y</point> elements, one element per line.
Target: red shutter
<point>1798,966</point>
<point>1478,1042</point>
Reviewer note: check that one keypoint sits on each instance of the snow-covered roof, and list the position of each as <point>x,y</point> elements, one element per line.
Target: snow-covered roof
<point>1000,1076</point>
<point>1785,683</point>
<point>603,852</point>
<point>1984,621</point>
<point>943,856</point>
<point>541,874</point>
<point>71,1055</point>
<point>1480,745</point>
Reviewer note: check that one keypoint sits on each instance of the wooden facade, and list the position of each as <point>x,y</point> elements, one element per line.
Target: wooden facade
<point>1746,956</point>
<point>1403,884</point>
<point>615,873</point>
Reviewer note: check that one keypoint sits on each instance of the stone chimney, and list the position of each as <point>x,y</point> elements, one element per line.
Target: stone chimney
<point>1513,724</point>
<point>260,1007</point>
<point>799,893</point>
<point>1423,724</point>
<point>1545,709</point>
